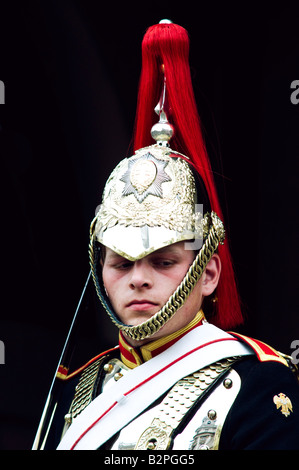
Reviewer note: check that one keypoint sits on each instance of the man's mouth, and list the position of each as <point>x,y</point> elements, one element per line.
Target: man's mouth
<point>140,305</point>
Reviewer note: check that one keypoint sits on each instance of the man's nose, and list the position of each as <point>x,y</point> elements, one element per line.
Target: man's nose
<point>140,275</point>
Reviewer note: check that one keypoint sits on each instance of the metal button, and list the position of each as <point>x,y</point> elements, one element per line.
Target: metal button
<point>228,383</point>
<point>68,418</point>
<point>118,376</point>
<point>152,444</point>
<point>108,368</point>
<point>212,414</point>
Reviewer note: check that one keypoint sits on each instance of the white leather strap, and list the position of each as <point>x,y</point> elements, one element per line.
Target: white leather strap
<point>128,397</point>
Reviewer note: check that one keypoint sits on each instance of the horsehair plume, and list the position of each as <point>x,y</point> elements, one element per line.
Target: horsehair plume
<point>167,45</point>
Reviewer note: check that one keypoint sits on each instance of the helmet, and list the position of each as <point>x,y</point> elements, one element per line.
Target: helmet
<point>165,193</point>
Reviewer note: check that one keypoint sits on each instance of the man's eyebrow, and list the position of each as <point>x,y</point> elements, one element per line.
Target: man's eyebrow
<point>115,256</point>
<point>166,249</point>
<point>169,249</point>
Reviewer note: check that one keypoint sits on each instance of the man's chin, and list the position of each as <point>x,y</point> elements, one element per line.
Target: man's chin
<point>139,320</point>
<point>138,317</point>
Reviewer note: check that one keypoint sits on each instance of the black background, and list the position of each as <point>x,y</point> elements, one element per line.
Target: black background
<point>71,71</point>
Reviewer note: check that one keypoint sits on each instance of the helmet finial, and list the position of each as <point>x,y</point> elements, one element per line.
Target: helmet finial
<point>162,131</point>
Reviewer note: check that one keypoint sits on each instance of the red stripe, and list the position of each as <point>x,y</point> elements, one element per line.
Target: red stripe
<point>177,360</point>
<point>146,380</point>
<point>89,362</point>
<point>126,353</point>
<point>266,349</point>
<point>92,425</point>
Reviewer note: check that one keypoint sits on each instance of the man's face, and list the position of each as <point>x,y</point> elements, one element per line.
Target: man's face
<point>137,290</point>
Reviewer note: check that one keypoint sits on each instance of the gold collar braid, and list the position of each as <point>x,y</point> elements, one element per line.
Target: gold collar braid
<point>215,235</point>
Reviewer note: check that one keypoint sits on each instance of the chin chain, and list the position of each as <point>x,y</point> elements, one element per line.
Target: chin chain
<point>216,235</point>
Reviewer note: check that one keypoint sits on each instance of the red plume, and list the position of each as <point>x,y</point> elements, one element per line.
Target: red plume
<point>168,44</point>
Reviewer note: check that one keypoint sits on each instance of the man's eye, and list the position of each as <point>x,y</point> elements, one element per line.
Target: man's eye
<point>164,263</point>
<point>124,265</point>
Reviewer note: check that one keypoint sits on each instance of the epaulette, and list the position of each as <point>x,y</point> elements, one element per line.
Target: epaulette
<point>63,372</point>
<point>263,351</point>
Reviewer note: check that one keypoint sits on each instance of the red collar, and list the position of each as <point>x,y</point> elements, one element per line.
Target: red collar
<point>134,356</point>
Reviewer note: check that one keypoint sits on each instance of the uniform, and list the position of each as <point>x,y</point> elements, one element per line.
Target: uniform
<point>234,403</point>
<point>197,387</point>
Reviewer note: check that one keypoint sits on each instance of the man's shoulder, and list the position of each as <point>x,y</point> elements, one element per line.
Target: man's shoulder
<point>264,352</point>
<point>266,358</point>
<point>65,374</point>
<point>267,373</point>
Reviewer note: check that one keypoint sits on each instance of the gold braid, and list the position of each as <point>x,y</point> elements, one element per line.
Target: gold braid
<point>215,236</point>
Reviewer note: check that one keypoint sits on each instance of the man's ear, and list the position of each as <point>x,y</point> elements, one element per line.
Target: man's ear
<point>211,275</point>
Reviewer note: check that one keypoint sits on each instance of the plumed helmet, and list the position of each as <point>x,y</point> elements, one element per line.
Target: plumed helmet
<point>165,193</point>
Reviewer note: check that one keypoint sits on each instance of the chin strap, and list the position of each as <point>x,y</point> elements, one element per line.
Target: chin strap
<point>215,236</point>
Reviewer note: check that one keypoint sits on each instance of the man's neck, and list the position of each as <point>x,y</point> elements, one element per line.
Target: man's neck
<point>133,356</point>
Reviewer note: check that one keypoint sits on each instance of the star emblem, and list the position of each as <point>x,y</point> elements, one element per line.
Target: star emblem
<point>283,402</point>
<point>145,176</point>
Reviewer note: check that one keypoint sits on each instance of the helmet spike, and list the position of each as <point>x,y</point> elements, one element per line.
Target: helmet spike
<point>162,131</point>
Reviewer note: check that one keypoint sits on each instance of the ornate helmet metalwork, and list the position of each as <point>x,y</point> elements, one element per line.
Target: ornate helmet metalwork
<point>150,201</point>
